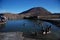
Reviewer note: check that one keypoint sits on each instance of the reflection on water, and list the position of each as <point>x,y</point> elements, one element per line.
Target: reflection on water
<point>2,26</point>
<point>30,26</point>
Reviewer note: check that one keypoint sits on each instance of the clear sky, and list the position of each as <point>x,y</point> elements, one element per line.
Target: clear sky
<point>18,6</point>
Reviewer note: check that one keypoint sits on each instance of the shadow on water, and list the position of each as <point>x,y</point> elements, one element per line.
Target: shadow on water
<point>54,22</point>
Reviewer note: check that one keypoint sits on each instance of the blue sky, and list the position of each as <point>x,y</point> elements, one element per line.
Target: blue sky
<point>18,6</point>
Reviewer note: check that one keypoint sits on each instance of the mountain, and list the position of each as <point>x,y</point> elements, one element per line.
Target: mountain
<point>56,14</point>
<point>36,11</point>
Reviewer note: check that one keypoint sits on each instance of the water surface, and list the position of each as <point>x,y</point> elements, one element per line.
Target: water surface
<point>29,26</point>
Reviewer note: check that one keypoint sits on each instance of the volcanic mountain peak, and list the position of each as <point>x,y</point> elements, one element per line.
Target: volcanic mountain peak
<point>37,10</point>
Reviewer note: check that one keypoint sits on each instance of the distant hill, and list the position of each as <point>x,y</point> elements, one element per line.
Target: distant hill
<point>1,14</point>
<point>11,16</point>
<point>56,14</point>
<point>36,11</point>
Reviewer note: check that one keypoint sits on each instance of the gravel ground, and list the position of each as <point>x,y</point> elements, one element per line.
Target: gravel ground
<point>13,36</point>
<point>19,36</point>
